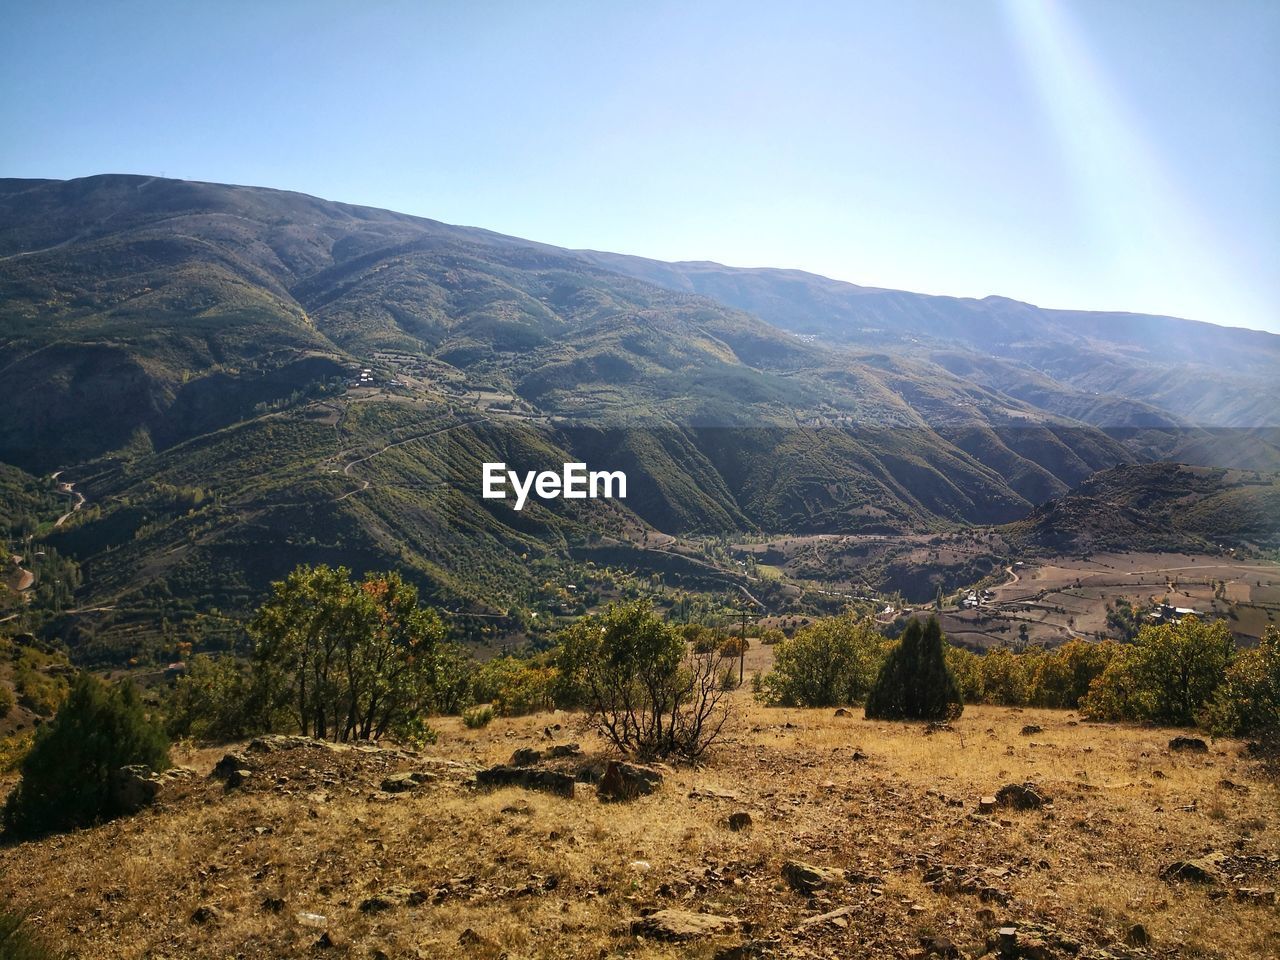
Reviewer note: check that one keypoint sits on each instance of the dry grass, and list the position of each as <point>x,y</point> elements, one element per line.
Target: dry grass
<point>532,875</point>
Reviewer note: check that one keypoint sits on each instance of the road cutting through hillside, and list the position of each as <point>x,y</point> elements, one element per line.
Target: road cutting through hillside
<point>365,484</point>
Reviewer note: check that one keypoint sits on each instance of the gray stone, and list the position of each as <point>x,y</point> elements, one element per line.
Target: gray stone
<point>807,878</point>
<point>626,781</point>
<point>678,925</point>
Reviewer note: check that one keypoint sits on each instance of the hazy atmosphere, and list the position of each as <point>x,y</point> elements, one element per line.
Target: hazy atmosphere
<point>1087,155</point>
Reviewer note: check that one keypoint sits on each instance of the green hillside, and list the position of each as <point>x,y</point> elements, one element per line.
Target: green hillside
<point>239,380</point>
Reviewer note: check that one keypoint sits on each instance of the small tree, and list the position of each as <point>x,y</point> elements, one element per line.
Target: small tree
<point>915,683</point>
<point>1248,702</point>
<point>648,694</point>
<point>349,660</point>
<point>831,663</point>
<point>66,778</point>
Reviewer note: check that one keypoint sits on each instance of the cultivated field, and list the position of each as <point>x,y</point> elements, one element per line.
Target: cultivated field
<point>310,856</point>
<point>1068,597</point>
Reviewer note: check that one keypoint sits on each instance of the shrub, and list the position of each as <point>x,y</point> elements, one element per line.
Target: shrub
<point>6,701</point>
<point>1248,701</point>
<point>515,686</point>
<point>966,667</point>
<point>213,701</point>
<point>66,777</point>
<point>1006,678</point>
<point>349,660</point>
<point>832,662</point>
<point>477,717</point>
<point>1168,675</point>
<point>1062,677</point>
<point>914,682</point>
<point>648,693</point>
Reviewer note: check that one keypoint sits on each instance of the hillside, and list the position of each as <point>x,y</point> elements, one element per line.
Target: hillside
<point>1157,507</point>
<point>1108,369</point>
<point>238,380</point>
<point>308,853</point>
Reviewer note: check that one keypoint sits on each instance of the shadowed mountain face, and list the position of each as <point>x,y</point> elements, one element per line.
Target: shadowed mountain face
<point>191,354</point>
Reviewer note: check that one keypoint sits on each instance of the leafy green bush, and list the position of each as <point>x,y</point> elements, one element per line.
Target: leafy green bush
<point>66,777</point>
<point>212,701</point>
<point>1248,701</point>
<point>1168,675</point>
<point>832,662</point>
<point>515,686</point>
<point>348,660</point>
<point>477,717</point>
<point>914,683</point>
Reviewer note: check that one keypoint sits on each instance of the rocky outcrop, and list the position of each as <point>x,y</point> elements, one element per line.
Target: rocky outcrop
<point>626,781</point>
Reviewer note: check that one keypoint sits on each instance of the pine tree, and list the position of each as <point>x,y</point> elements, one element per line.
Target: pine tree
<point>915,683</point>
<point>66,778</point>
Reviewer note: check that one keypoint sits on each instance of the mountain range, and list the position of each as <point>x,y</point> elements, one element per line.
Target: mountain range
<point>239,379</point>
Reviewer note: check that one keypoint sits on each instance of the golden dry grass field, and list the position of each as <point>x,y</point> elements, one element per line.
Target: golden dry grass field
<point>310,857</point>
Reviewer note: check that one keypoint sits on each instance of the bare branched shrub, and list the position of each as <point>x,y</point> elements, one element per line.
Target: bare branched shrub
<point>648,693</point>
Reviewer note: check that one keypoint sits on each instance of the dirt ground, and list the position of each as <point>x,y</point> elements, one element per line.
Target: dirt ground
<point>311,857</point>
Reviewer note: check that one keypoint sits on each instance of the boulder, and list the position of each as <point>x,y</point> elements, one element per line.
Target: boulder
<point>1188,745</point>
<point>1203,870</point>
<point>402,782</point>
<point>680,925</point>
<point>1021,796</point>
<point>525,757</point>
<point>134,787</point>
<point>806,878</point>
<point>229,764</point>
<point>548,781</point>
<point>626,781</point>
<point>1030,729</point>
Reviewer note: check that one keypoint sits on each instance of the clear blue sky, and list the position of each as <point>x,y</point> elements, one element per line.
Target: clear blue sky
<point>1076,154</point>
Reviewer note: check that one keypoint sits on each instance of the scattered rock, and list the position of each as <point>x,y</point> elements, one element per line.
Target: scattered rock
<point>1203,870</point>
<point>206,914</point>
<point>311,919</point>
<point>680,925</point>
<point>525,757</point>
<point>806,878</point>
<point>545,780</point>
<point>626,781</point>
<point>401,782</point>
<point>1021,796</point>
<point>1256,895</point>
<point>1188,745</point>
<point>1031,729</point>
<point>229,762</point>
<point>858,756</point>
<point>939,947</point>
<point>837,918</point>
<point>564,750</point>
<point>739,820</point>
<point>134,787</point>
